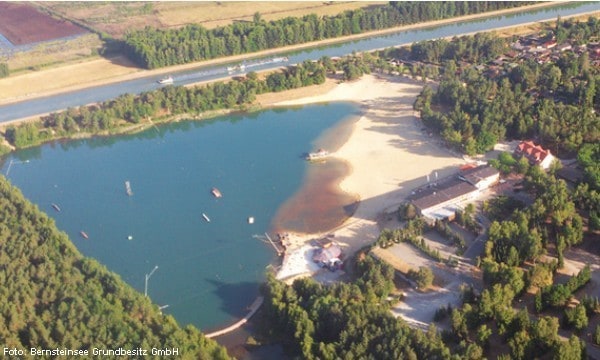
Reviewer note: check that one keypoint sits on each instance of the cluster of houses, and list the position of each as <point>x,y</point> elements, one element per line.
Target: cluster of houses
<point>539,49</point>
<point>440,201</point>
<point>532,47</point>
<point>542,49</point>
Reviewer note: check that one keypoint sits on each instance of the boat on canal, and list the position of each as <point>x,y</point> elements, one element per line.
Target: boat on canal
<point>166,80</point>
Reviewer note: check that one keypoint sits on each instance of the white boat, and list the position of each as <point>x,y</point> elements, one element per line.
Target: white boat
<point>318,155</point>
<point>216,192</point>
<point>251,220</point>
<point>166,80</point>
<point>128,188</point>
<point>205,217</point>
<point>236,68</point>
<point>280,59</point>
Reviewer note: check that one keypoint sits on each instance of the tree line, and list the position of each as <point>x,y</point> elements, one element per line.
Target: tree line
<point>153,48</point>
<point>587,193</point>
<point>128,109</point>
<point>53,297</point>
<point>556,103</point>
<point>345,320</point>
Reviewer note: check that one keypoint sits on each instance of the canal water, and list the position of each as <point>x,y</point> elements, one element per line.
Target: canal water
<point>208,272</point>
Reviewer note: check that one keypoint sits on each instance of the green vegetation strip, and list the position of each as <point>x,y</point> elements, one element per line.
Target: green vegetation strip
<point>129,112</point>
<point>152,48</point>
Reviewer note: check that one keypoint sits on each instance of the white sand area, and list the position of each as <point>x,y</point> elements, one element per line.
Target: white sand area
<point>389,154</point>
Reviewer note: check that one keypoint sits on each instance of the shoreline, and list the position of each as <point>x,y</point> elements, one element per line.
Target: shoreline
<point>388,154</point>
<point>122,70</point>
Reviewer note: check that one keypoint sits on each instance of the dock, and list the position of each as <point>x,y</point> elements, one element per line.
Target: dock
<point>267,238</point>
<point>253,309</point>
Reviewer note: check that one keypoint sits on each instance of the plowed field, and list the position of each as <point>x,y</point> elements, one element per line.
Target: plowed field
<point>22,24</point>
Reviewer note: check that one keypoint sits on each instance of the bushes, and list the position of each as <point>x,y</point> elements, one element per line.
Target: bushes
<point>576,318</point>
<point>423,277</point>
<point>558,295</point>
<point>444,229</point>
<point>4,70</point>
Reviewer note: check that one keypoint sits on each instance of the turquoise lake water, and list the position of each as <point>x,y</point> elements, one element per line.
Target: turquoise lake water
<point>208,272</point>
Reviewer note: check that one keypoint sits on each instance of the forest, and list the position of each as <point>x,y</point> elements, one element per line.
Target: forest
<point>53,297</point>
<point>345,320</point>
<point>152,48</point>
<point>555,103</point>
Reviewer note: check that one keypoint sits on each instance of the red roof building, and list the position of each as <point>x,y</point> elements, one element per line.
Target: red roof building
<point>535,154</point>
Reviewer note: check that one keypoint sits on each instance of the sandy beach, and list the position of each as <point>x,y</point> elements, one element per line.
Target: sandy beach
<point>389,153</point>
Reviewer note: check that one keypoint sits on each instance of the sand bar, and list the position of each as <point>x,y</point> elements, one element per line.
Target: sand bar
<point>389,153</point>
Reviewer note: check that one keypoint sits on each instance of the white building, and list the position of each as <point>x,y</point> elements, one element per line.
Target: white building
<point>535,154</point>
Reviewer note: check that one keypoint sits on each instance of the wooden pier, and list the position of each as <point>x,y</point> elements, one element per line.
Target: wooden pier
<point>268,238</point>
<point>253,309</point>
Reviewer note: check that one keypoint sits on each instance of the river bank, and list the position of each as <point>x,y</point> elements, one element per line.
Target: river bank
<point>102,71</point>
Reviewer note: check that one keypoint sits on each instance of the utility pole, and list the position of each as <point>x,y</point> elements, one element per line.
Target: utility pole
<point>148,278</point>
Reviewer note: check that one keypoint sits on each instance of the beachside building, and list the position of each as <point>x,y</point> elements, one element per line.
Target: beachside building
<point>535,154</point>
<point>441,202</point>
<point>482,177</point>
<point>328,256</point>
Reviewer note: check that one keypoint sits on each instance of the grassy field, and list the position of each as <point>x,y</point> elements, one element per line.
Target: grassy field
<point>50,53</point>
<point>115,18</point>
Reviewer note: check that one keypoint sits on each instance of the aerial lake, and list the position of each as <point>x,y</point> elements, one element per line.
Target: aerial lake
<point>208,272</point>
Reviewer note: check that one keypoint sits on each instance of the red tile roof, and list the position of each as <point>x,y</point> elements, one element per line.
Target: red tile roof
<point>532,152</point>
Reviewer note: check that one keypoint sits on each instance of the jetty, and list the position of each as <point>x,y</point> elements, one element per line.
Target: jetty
<point>253,309</point>
<point>128,188</point>
<point>267,238</point>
